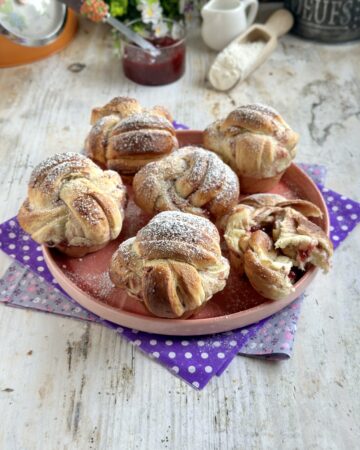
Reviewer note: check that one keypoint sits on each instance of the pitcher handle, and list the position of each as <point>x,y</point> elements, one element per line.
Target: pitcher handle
<point>251,8</point>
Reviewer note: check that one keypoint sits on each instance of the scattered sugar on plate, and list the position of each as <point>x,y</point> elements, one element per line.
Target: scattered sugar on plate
<point>97,284</point>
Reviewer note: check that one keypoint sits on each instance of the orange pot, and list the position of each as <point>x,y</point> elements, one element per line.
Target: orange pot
<point>12,54</point>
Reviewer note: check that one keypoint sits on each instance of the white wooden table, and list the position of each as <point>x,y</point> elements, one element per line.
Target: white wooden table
<point>70,385</point>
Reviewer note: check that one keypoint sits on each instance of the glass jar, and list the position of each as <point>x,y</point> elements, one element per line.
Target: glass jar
<point>142,67</point>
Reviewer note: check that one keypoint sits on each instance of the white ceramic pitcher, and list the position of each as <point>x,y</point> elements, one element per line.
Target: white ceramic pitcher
<point>223,20</point>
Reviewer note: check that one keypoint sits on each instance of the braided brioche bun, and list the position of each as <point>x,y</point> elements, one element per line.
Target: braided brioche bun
<point>268,235</point>
<point>257,144</point>
<point>191,180</point>
<point>73,205</point>
<point>174,264</point>
<point>125,136</point>
<point>123,107</point>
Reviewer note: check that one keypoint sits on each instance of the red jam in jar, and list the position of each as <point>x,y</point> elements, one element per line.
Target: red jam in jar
<point>144,68</point>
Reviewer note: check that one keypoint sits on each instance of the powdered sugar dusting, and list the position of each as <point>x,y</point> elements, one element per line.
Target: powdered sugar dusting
<point>259,107</point>
<point>230,186</point>
<point>104,125</point>
<point>69,195</point>
<point>144,120</point>
<point>87,207</point>
<point>101,284</point>
<point>118,103</point>
<point>176,223</point>
<point>254,118</point>
<point>188,180</point>
<point>178,233</point>
<point>55,164</point>
<point>143,141</point>
<point>212,179</point>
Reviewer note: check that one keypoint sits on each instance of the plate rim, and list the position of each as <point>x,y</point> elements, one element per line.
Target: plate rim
<point>190,327</point>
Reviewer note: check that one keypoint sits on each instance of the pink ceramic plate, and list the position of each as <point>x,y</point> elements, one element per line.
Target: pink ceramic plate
<point>86,279</point>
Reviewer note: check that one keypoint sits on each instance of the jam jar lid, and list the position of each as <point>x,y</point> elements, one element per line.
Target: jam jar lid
<point>32,23</point>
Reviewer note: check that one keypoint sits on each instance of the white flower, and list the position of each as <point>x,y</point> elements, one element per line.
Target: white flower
<point>150,13</point>
<point>160,29</point>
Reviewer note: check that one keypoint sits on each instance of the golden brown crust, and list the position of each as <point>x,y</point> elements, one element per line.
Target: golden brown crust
<point>73,204</point>
<point>119,106</point>
<point>161,111</point>
<point>293,239</point>
<point>191,180</point>
<point>174,264</point>
<point>267,271</point>
<point>169,286</point>
<point>254,140</point>
<point>96,141</point>
<point>307,208</point>
<point>262,199</point>
<point>262,119</point>
<point>126,145</point>
<point>123,107</point>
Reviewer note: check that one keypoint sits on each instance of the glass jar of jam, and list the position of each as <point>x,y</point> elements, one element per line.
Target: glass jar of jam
<point>144,68</point>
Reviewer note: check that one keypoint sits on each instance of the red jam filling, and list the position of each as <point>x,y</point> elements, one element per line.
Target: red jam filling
<point>295,275</point>
<point>143,68</point>
<point>292,276</point>
<point>304,254</point>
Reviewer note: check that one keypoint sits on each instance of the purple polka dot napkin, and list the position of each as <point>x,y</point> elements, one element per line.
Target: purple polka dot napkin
<point>194,359</point>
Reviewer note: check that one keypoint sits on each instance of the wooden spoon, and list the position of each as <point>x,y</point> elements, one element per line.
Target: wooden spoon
<point>276,26</point>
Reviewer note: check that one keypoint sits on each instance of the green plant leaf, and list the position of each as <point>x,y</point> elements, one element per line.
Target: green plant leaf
<point>171,8</point>
<point>118,8</point>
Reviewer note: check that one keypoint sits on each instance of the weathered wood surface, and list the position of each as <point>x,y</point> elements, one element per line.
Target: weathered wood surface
<point>69,385</point>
